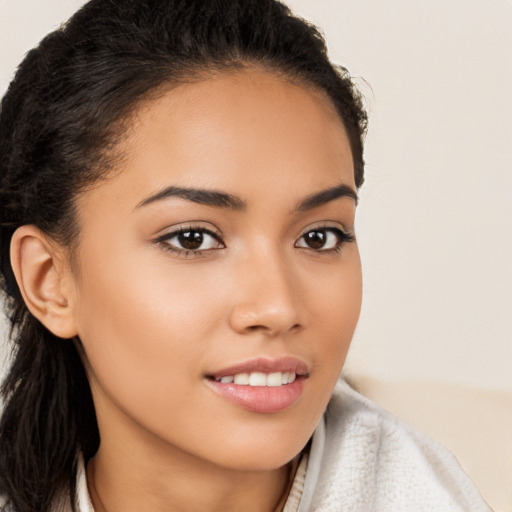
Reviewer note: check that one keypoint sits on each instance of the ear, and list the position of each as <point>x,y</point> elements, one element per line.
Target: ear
<point>44,278</point>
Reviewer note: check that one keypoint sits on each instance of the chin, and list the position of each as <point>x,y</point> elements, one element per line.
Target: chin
<point>265,453</point>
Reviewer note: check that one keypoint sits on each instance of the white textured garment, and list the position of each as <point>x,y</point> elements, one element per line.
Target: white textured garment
<point>363,459</point>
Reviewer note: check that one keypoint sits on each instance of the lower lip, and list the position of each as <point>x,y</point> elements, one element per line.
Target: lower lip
<point>260,399</point>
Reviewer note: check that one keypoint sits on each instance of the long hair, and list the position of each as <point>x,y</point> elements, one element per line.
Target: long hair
<point>60,122</point>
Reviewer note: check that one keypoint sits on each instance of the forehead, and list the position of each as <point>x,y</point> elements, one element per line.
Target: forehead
<point>240,132</point>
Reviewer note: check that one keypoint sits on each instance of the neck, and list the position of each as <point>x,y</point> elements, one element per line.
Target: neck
<point>130,480</point>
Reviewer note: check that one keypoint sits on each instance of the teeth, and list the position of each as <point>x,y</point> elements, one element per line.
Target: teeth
<point>275,379</point>
<point>259,379</point>
<point>242,379</point>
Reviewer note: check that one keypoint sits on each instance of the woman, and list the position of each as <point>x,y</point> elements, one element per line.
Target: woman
<point>178,189</point>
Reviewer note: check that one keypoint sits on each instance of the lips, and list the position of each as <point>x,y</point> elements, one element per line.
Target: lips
<point>261,385</point>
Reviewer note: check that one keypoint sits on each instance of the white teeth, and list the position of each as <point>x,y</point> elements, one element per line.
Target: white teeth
<point>242,379</point>
<point>275,379</point>
<point>259,379</point>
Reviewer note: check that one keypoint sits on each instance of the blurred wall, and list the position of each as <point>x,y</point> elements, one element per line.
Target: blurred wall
<point>435,219</point>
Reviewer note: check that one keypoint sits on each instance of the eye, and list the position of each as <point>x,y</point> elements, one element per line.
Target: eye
<point>191,240</point>
<point>324,239</point>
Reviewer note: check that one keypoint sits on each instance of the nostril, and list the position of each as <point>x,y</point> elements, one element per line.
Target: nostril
<point>270,331</point>
<point>265,318</point>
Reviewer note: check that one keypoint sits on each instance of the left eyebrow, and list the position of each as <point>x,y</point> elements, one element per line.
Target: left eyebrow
<point>326,196</point>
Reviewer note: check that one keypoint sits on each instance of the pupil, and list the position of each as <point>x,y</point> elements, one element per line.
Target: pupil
<point>315,239</point>
<point>191,239</point>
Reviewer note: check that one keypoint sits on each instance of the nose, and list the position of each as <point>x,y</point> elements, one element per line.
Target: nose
<point>267,299</point>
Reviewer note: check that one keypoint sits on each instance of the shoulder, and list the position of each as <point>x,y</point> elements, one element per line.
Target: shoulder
<point>371,461</point>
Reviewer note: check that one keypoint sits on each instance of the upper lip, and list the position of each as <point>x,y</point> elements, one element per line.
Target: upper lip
<point>265,365</point>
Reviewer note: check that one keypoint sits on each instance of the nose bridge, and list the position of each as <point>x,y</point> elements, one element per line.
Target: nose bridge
<point>266,298</point>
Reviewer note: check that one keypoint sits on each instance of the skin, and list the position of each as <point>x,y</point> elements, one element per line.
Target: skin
<point>155,322</point>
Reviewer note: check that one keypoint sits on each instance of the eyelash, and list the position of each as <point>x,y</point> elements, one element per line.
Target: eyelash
<point>342,237</point>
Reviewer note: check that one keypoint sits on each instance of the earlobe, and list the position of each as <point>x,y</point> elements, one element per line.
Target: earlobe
<point>44,280</point>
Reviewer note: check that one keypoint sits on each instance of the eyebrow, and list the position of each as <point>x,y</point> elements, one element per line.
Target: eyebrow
<point>326,196</point>
<point>198,195</point>
<point>232,202</point>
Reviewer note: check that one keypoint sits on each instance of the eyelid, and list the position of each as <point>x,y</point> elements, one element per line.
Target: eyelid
<point>333,225</point>
<point>188,226</point>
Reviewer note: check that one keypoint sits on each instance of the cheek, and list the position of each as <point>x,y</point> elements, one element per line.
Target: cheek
<point>143,328</point>
<point>336,308</point>
<point>129,298</point>
<point>337,299</point>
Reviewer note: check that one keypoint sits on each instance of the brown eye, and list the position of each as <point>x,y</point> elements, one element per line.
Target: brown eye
<point>190,240</point>
<point>315,239</point>
<point>324,239</point>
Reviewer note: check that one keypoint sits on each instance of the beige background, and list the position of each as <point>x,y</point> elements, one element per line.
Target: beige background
<point>435,219</point>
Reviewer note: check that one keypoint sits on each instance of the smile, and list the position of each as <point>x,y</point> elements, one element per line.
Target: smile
<point>261,385</point>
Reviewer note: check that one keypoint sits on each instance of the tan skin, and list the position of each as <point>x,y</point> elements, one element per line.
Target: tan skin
<point>157,320</point>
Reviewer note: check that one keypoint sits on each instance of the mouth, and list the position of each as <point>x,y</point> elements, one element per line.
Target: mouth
<point>261,385</point>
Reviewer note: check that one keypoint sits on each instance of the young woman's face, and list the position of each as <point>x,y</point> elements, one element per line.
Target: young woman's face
<point>216,266</point>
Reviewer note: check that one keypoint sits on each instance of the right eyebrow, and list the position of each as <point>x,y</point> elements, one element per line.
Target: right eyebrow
<point>197,195</point>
